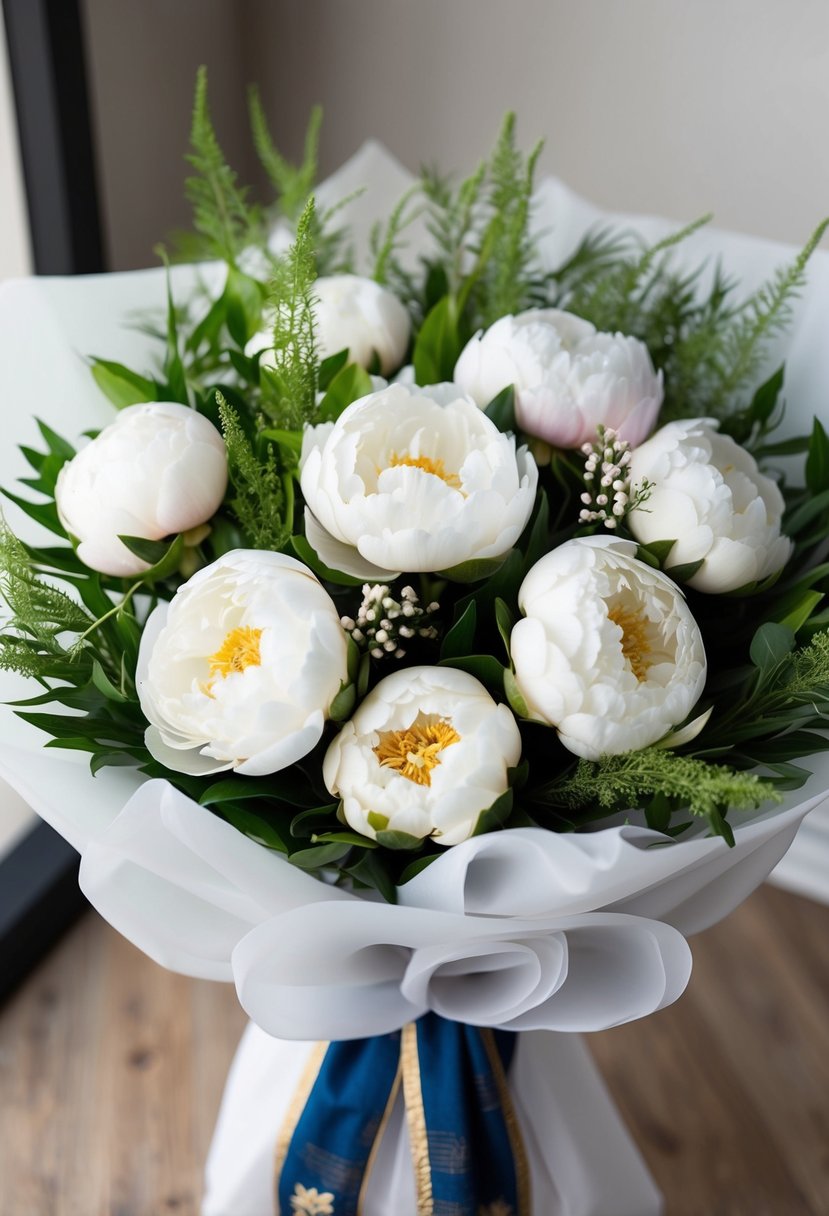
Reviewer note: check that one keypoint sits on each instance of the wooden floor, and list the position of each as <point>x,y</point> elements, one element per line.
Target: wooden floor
<point>111,1071</point>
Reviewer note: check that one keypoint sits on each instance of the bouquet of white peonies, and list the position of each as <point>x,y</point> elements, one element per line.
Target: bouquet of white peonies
<point>463,623</point>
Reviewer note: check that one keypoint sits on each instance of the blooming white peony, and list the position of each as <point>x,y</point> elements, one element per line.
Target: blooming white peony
<point>354,313</point>
<point>240,669</point>
<point>710,497</point>
<point>426,752</point>
<point>569,379</point>
<point>158,469</point>
<point>416,480</point>
<point>608,651</point>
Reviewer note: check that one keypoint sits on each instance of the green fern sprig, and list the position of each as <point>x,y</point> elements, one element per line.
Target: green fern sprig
<point>617,783</point>
<point>221,214</point>
<point>290,396</point>
<point>291,183</point>
<point>385,240</point>
<point>259,502</point>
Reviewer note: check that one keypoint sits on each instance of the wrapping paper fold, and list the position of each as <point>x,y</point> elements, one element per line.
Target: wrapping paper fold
<point>523,929</point>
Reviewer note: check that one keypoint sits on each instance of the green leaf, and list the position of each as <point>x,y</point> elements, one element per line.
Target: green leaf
<point>343,703</point>
<point>817,461</point>
<point>243,303</point>
<point>349,384</point>
<point>795,609</point>
<point>685,571</point>
<point>459,640</point>
<point>483,666</point>
<point>796,520</point>
<point>57,445</point>
<point>771,644</point>
<point>501,410</point>
<point>164,557</point>
<point>329,368</point>
<point>538,540</point>
<point>122,386</point>
<point>514,695</point>
<point>319,856</point>
<point>306,554</point>
<point>473,571</point>
<point>398,840</point>
<point>416,867</point>
<point>254,826</point>
<point>318,818</point>
<point>354,839</point>
<point>505,622</point>
<point>765,399</point>
<point>496,815</point>
<point>44,513</point>
<point>657,549</point>
<point>377,821</point>
<point>370,869</point>
<point>104,685</point>
<point>438,345</point>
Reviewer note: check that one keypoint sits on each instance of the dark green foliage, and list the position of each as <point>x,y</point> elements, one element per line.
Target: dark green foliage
<point>259,501</point>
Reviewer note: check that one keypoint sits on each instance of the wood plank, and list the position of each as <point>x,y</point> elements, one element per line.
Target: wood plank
<point>111,1070</point>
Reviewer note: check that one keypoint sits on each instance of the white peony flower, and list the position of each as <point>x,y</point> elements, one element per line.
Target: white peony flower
<point>569,379</point>
<point>354,313</point>
<point>416,480</point>
<point>608,651</point>
<point>710,497</point>
<point>158,469</point>
<point>426,752</point>
<point>240,669</point>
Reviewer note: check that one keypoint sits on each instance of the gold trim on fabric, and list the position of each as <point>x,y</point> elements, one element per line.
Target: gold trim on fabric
<point>519,1152</point>
<point>416,1119</point>
<point>292,1116</point>
<point>378,1136</point>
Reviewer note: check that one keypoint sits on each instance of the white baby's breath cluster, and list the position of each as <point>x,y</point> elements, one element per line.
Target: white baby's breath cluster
<point>384,623</point>
<point>609,494</point>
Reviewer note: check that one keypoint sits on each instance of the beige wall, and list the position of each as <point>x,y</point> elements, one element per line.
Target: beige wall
<point>670,106</point>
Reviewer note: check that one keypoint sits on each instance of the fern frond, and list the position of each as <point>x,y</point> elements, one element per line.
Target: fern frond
<point>291,183</point>
<point>634,778</point>
<point>221,214</point>
<point>259,501</point>
<point>291,399</point>
<point>385,241</point>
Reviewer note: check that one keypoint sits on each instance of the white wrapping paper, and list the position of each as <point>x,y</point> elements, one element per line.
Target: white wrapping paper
<point>524,928</point>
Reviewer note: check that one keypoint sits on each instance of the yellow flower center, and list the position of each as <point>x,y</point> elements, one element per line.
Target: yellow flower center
<point>415,751</point>
<point>436,467</point>
<point>239,650</point>
<point>636,644</point>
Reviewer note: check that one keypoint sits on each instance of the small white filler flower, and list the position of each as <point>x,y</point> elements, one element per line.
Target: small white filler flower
<point>425,753</point>
<point>158,469</point>
<point>569,379</point>
<point>353,313</point>
<point>408,479</point>
<point>708,495</point>
<point>240,669</point>
<point>608,651</point>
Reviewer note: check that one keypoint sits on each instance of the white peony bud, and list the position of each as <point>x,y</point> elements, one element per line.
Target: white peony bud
<point>608,651</point>
<point>158,469</point>
<point>569,379</point>
<point>426,752</point>
<point>416,480</point>
<point>240,669</point>
<point>356,314</point>
<point>710,497</point>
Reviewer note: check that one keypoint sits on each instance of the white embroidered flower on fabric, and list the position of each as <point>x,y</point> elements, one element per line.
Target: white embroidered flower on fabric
<point>708,495</point>
<point>158,469</point>
<point>413,479</point>
<point>425,753</point>
<point>608,651</point>
<point>308,1201</point>
<point>569,379</point>
<point>240,669</point>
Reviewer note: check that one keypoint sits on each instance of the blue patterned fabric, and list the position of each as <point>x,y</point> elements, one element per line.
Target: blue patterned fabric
<point>467,1156</point>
